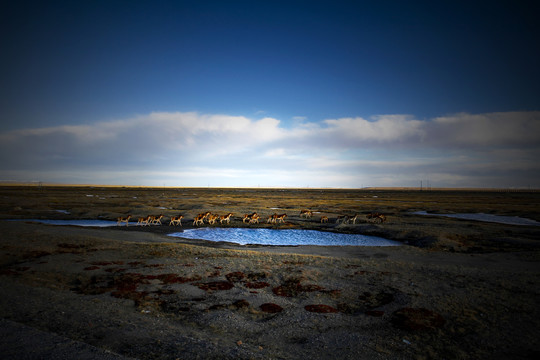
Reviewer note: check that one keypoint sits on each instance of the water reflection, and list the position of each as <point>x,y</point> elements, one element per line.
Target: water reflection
<point>245,236</point>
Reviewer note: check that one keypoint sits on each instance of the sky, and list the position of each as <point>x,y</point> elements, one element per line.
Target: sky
<point>343,94</point>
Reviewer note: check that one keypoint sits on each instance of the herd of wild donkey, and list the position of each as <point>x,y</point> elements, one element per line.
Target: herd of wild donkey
<point>247,218</point>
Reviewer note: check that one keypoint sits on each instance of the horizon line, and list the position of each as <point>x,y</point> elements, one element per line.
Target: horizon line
<point>7,183</point>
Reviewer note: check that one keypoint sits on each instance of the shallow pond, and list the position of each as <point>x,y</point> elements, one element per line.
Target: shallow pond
<point>511,220</point>
<point>245,236</point>
<point>257,236</point>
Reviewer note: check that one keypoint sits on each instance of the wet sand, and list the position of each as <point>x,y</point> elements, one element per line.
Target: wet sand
<point>458,289</point>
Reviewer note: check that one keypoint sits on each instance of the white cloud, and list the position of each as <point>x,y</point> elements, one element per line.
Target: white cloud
<point>494,129</point>
<point>387,128</point>
<point>385,150</point>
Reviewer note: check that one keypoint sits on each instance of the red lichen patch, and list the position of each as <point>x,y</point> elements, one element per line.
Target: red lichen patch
<point>235,276</point>
<point>218,267</point>
<point>35,254</point>
<point>293,287</point>
<point>135,263</point>
<point>188,265</point>
<point>105,263</point>
<point>175,279</point>
<point>320,308</point>
<point>257,285</point>
<point>115,270</point>
<point>8,272</point>
<point>129,282</point>
<point>126,287</point>
<point>271,308</point>
<point>215,285</point>
<point>215,274</point>
<point>93,267</point>
<point>416,319</point>
<point>375,313</point>
<point>101,263</point>
<point>154,265</point>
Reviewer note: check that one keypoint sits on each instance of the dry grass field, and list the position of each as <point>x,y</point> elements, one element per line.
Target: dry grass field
<point>458,288</point>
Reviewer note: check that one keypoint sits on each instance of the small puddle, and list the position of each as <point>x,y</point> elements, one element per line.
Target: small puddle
<point>510,220</point>
<point>245,236</point>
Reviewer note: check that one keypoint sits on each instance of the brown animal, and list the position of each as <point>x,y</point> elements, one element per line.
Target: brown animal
<point>271,219</point>
<point>199,219</point>
<point>226,218</point>
<point>176,220</point>
<point>144,221</point>
<point>248,217</point>
<point>121,220</point>
<point>212,218</point>
<point>254,218</point>
<point>306,213</point>
<point>342,218</point>
<point>324,219</point>
<point>376,216</point>
<point>281,218</point>
<point>156,220</point>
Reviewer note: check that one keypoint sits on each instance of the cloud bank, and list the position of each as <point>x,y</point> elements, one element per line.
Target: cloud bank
<point>192,149</point>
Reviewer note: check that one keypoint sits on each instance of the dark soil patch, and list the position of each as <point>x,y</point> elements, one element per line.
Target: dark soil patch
<point>93,267</point>
<point>320,308</point>
<point>175,279</point>
<point>215,285</point>
<point>256,276</point>
<point>271,308</point>
<point>292,288</point>
<point>415,319</point>
<point>375,313</point>
<point>257,285</point>
<point>235,276</point>
<point>105,263</point>
<point>241,304</point>
<point>371,301</point>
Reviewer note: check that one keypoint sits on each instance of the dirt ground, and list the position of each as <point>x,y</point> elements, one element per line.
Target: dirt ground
<point>457,289</point>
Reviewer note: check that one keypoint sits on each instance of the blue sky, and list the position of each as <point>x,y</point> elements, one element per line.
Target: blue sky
<point>271,93</point>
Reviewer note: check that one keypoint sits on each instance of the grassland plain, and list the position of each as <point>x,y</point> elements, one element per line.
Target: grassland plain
<point>458,289</point>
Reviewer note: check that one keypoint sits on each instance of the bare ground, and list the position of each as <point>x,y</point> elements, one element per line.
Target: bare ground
<point>459,289</point>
